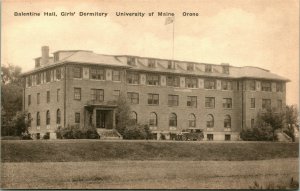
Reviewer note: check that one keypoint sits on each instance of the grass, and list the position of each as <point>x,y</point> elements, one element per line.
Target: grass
<point>148,174</point>
<point>97,150</point>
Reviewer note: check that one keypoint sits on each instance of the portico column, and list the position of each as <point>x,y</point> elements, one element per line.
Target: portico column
<point>114,118</point>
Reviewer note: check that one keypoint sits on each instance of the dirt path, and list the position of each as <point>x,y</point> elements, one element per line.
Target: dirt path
<point>148,174</point>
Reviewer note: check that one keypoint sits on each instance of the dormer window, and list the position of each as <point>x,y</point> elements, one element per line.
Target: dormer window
<point>208,68</point>
<point>131,61</point>
<point>151,63</point>
<point>190,67</point>
<point>56,57</point>
<point>171,64</point>
<point>225,68</point>
<point>37,63</point>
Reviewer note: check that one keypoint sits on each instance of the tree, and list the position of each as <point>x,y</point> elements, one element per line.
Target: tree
<point>122,114</point>
<point>291,114</point>
<point>272,118</point>
<point>11,94</point>
<point>20,123</point>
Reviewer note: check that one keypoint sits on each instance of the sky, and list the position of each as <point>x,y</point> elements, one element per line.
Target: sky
<point>262,33</point>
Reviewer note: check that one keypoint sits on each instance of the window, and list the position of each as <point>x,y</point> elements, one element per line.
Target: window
<point>279,87</point>
<point>152,79</point>
<point>173,81</point>
<point>153,120</point>
<point>173,120</point>
<point>77,93</point>
<point>266,86</point>
<point>29,119</point>
<point>227,137</point>
<point>208,68</point>
<point>209,121</point>
<point>266,103</point>
<point>210,137</point>
<point>77,117</point>
<point>191,82</point>
<point>227,121</point>
<point>252,123</point>
<point>132,78</point>
<point>227,103</point>
<point>56,57</point>
<point>252,85</point>
<point>225,69</point>
<point>252,103</point>
<point>38,98</point>
<point>190,67</point>
<point>131,61</point>
<point>57,95</point>
<point>58,116</point>
<point>77,72</point>
<point>116,93</point>
<point>97,73</point>
<point>226,85</point>
<point>173,100</point>
<point>153,99</point>
<point>209,102</point>
<point>29,81</point>
<point>116,75</point>
<point>38,79</point>
<point>48,76</point>
<point>192,120</point>
<point>38,119</point>
<point>48,96</point>
<point>279,104</point>
<point>209,84</point>
<point>97,94</point>
<point>58,73</point>
<point>171,65</point>
<point>48,117</point>
<point>151,63</point>
<point>29,99</point>
<point>133,117</point>
<point>133,98</point>
<point>191,101</point>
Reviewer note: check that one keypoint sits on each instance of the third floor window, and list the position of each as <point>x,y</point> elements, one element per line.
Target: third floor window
<point>77,72</point>
<point>209,84</point>
<point>173,81</point>
<point>97,73</point>
<point>152,79</point>
<point>266,86</point>
<point>132,78</point>
<point>191,82</point>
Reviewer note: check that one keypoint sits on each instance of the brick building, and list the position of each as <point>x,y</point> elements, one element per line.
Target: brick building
<point>79,87</point>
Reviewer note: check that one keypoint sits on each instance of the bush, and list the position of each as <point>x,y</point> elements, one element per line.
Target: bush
<point>257,134</point>
<point>75,132</point>
<point>137,131</point>
<point>46,136</point>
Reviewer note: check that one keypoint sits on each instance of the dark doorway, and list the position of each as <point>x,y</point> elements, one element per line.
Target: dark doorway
<point>101,118</point>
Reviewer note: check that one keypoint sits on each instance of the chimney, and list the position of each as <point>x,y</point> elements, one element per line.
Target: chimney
<point>45,55</point>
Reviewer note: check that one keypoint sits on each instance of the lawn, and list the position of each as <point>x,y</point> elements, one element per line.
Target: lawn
<point>97,150</point>
<point>149,174</point>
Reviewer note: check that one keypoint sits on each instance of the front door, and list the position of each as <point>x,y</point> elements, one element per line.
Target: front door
<point>101,119</point>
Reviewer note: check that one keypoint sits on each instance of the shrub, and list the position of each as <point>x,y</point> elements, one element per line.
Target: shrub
<point>137,131</point>
<point>257,134</point>
<point>75,132</point>
<point>46,136</point>
<point>26,136</point>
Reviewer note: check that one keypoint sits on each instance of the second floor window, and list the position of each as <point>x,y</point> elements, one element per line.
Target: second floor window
<point>116,75</point>
<point>153,99</point>
<point>57,95</point>
<point>226,85</point>
<point>48,96</point>
<point>192,101</point>
<point>38,78</point>
<point>97,94</point>
<point>48,117</point>
<point>266,86</point>
<point>252,85</point>
<point>132,78</point>
<point>227,103</point>
<point>173,100</point>
<point>38,119</point>
<point>210,102</point>
<point>152,79</point>
<point>133,97</point>
<point>29,99</point>
<point>97,73</point>
<point>38,98</point>
<point>77,93</point>
<point>29,81</point>
<point>252,103</point>
<point>173,81</point>
<point>191,82</point>
<point>266,103</point>
<point>279,87</point>
<point>58,73</point>
<point>209,84</point>
<point>77,72</point>
<point>48,76</point>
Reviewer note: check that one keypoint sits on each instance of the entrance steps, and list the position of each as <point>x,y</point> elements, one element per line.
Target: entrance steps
<point>282,137</point>
<point>109,134</point>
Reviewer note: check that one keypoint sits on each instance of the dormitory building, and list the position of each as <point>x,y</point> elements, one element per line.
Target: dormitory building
<point>79,87</point>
